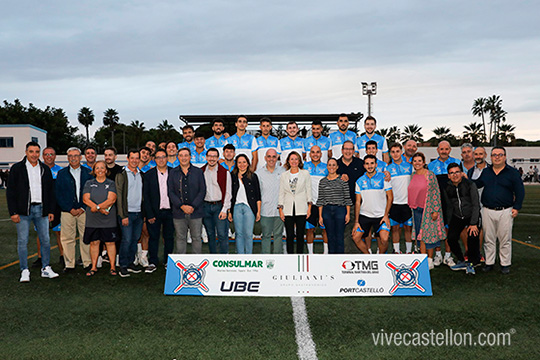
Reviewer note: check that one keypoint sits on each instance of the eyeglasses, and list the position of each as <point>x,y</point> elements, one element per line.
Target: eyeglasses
<point>454,173</point>
<point>50,155</point>
<point>497,155</point>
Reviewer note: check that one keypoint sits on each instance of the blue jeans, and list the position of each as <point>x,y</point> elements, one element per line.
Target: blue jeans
<point>334,222</point>
<point>212,223</point>
<point>164,220</point>
<point>244,219</point>
<point>42,226</point>
<point>130,238</point>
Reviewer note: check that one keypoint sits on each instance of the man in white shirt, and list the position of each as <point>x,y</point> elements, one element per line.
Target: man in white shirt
<point>30,198</point>
<point>217,203</point>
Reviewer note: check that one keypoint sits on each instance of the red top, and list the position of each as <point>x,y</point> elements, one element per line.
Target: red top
<point>417,191</point>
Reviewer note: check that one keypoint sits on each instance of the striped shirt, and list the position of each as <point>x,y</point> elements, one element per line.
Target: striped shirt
<point>334,192</point>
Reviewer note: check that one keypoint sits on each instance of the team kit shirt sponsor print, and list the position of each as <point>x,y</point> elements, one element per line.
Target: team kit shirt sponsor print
<point>198,160</point>
<point>174,164</point>
<point>439,167</point>
<point>322,142</point>
<point>373,191</point>
<point>317,172</point>
<point>216,143</point>
<point>381,166</point>
<point>244,145</point>
<point>263,146</point>
<point>191,146</point>
<point>289,145</point>
<point>382,146</point>
<point>151,164</point>
<point>400,179</point>
<point>54,171</point>
<point>337,139</point>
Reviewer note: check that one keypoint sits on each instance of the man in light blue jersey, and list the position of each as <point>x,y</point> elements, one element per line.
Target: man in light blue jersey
<point>370,124</point>
<point>243,142</point>
<point>400,212</point>
<point>318,170</point>
<point>372,149</point>
<point>219,140</point>
<point>373,202</point>
<point>292,142</point>
<point>90,155</point>
<point>172,155</point>
<point>198,157</point>
<point>266,142</point>
<point>316,139</point>
<point>339,137</point>
<point>146,162</point>
<point>187,133</point>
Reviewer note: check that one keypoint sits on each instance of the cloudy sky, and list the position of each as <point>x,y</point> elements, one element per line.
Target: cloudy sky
<point>155,60</point>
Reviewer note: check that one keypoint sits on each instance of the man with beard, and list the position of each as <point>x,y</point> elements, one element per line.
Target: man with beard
<point>370,124</point>
<point>339,137</point>
<point>243,142</point>
<point>410,147</point>
<point>219,140</point>
<point>316,139</point>
<point>187,133</point>
<point>110,160</point>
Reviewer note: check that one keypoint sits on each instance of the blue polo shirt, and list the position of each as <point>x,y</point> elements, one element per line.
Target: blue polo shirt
<point>337,138</point>
<point>55,169</point>
<point>174,164</point>
<point>246,144</point>
<point>191,146</point>
<point>151,164</point>
<point>289,145</point>
<point>323,142</point>
<point>216,143</point>
<point>382,146</point>
<point>263,146</point>
<point>439,167</point>
<point>198,160</point>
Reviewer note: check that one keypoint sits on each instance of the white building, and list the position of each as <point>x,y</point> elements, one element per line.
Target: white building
<point>13,140</point>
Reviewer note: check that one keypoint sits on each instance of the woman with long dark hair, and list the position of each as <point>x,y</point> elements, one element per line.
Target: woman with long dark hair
<point>245,204</point>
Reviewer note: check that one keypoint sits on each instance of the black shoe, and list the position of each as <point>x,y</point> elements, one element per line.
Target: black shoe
<point>487,268</point>
<point>37,264</point>
<point>124,272</point>
<point>134,269</point>
<point>61,261</point>
<point>505,270</point>
<point>79,262</point>
<point>88,268</point>
<point>68,270</point>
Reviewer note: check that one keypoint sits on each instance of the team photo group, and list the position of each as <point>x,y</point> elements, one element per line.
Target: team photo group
<point>359,192</point>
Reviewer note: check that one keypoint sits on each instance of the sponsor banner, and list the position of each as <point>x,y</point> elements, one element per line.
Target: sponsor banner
<point>298,275</point>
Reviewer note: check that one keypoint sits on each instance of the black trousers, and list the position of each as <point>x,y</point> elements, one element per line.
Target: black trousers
<point>300,222</point>
<point>455,227</point>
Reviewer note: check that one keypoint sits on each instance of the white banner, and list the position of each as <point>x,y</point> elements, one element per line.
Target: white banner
<point>298,275</point>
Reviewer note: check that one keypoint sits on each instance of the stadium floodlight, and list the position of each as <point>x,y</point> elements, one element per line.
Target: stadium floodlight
<point>369,89</point>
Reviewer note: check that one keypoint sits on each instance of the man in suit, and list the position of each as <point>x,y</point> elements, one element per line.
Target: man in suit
<point>158,210</point>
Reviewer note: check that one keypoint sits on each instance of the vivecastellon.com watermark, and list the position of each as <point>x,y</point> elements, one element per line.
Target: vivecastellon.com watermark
<point>448,337</point>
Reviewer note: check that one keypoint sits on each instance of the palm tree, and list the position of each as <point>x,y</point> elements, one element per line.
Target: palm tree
<point>442,133</point>
<point>165,126</point>
<point>473,133</point>
<point>111,120</point>
<point>496,114</point>
<point>479,109</point>
<point>137,131</point>
<point>412,132</point>
<point>506,134</point>
<point>86,118</point>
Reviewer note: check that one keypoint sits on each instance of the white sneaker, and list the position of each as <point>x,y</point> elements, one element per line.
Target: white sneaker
<point>449,261</point>
<point>25,275</point>
<point>437,260</point>
<point>99,262</point>
<point>204,236</point>
<point>430,263</point>
<point>143,261</point>
<point>136,261</point>
<point>47,272</point>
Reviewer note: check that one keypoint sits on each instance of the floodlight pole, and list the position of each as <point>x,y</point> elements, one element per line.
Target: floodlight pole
<point>369,89</point>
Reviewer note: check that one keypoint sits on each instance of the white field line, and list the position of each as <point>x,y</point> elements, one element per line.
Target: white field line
<point>306,346</point>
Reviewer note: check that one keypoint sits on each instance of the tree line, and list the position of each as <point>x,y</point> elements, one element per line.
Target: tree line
<point>491,130</point>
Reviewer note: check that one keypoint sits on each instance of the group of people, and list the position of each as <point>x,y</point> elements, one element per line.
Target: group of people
<point>356,189</point>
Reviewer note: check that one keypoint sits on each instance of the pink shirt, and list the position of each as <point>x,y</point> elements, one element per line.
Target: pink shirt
<point>417,191</point>
<point>163,196</point>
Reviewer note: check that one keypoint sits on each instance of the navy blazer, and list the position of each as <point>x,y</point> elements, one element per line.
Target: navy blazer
<point>186,190</point>
<point>151,194</point>
<point>65,189</point>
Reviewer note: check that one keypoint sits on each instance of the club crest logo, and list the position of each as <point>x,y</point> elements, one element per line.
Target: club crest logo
<point>191,276</point>
<point>270,264</point>
<point>405,277</point>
